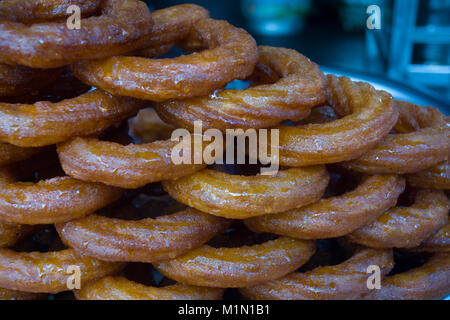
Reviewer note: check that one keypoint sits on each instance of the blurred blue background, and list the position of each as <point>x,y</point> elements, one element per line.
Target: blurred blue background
<point>412,46</point>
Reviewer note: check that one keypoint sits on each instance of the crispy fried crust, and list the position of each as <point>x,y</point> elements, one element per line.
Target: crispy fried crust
<point>425,146</point>
<point>119,288</point>
<point>48,272</point>
<point>50,201</point>
<point>337,216</point>
<point>240,197</point>
<point>347,280</point>
<point>146,240</point>
<point>301,86</point>
<point>129,167</point>
<point>232,54</point>
<point>45,123</point>
<point>122,25</point>
<point>431,281</point>
<point>368,116</point>
<point>238,267</point>
<point>406,227</point>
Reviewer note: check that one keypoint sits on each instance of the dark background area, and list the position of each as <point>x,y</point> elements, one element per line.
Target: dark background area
<point>334,34</point>
<point>323,38</point>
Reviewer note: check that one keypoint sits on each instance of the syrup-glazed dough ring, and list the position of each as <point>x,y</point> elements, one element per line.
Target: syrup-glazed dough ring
<point>241,197</point>
<point>301,86</point>
<point>34,11</point>
<point>238,267</point>
<point>425,146</point>
<point>368,116</point>
<point>430,281</point>
<point>10,154</point>
<point>436,177</point>
<point>145,240</point>
<point>122,25</point>
<point>120,288</point>
<point>46,123</point>
<point>129,167</point>
<point>232,54</point>
<point>439,242</point>
<point>337,216</point>
<point>47,272</point>
<point>347,280</point>
<point>406,227</point>
<point>50,201</point>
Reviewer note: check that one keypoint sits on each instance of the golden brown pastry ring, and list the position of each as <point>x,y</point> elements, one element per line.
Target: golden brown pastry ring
<point>50,201</point>
<point>238,267</point>
<point>121,26</point>
<point>368,116</point>
<point>336,216</point>
<point>430,281</point>
<point>47,272</point>
<point>146,240</point>
<point>436,177</point>
<point>128,167</point>
<point>347,280</point>
<point>406,227</point>
<point>232,54</point>
<point>45,123</point>
<point>426,145</point>
<point>120,288</point>
<point>300,87</point>
<point>439,242</point>
<point>241,197</point>
<point>35,11</point>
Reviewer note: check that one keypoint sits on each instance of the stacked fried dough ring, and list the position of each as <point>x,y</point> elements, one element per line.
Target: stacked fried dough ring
<point>266,235</point>
<point>122,25</point>
<point>232,55</point>
<point>301,87</point>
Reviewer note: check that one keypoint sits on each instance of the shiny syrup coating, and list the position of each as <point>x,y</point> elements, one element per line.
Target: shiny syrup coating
<point>47,272</point>
<point>145,240</point>
<point>50,201</point>
<point>121,26</point>
<point>430,281</point>
<point>439,242</point>
<point>35,11</point>
<point>301,86</point>
<point>347,280</point>
<point>129,166</point>
<point>406,227</point>
<point>238,267</point>
<point>368,115</point>
<point>336,216</point>
<point>435,177</point>
<point>45,123</point>
<point>120,288</point>
<point>240,197</point>
<point>232,54</point>
<point>425,142</point>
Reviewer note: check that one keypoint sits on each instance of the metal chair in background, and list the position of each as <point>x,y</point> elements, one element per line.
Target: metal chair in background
<point>393,49</point>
